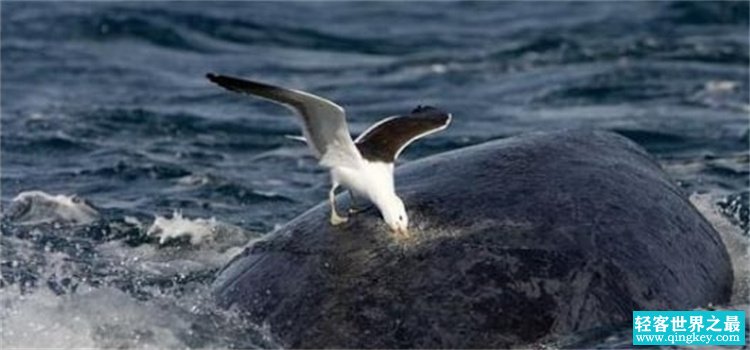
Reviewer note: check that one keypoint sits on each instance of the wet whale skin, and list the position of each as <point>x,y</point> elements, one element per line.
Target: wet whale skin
<point>514,242</point>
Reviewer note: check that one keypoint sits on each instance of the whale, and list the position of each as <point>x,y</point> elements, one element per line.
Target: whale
<point>513,242</point>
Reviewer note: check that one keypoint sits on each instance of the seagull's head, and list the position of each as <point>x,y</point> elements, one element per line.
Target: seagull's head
<point>394,214</point>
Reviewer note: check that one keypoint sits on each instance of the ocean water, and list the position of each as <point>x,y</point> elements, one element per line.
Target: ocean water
<point>128,179</point>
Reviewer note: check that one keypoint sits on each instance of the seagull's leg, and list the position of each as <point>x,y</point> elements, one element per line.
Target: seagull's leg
<point>335,218</point>
<point>353,204</point>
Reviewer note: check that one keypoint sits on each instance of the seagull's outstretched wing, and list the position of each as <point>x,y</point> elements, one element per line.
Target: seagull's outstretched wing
<point>324,122</point>
<point>385,140</point>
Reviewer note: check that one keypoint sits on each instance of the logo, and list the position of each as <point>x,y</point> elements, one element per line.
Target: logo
<point>689,328</point>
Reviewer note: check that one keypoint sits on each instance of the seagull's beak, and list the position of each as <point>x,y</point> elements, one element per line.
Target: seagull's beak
<point>402,231</point>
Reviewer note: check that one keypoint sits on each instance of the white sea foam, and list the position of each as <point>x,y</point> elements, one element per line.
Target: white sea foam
<point>166,262</point>
<point>720,85</point>
<point>720,94</point>
<point>206,232</point>
<point>198,230</point>
<point>737,244</point>
<point>107,317</point>
<point>91,318</point>
<point>37,207</point>
<point>212,244</point>
<point>110,317</point>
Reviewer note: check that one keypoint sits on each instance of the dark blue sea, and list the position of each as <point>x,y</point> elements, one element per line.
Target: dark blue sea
<point>128,179</point>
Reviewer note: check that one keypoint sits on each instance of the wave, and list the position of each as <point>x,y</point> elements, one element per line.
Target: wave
<point>37,207</point>
<point>197,231</point>
<point>182,30</point>
<point>142,284</point>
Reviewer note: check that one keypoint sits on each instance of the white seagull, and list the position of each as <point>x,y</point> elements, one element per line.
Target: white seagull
<point>364,166</point>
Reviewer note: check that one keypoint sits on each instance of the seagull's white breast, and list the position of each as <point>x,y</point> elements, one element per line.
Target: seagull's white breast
<point>370,179</point>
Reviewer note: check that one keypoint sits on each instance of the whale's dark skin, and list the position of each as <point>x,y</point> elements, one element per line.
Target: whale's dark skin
<point>513,242</point>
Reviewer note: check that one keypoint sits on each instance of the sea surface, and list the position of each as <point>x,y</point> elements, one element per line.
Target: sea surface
<point>128,179</point>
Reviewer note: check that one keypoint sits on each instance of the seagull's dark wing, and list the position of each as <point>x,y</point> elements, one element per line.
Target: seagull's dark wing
<point>324,122</point>
<point>385,140</point>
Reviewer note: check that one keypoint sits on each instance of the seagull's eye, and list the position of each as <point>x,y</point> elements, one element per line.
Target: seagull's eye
<point>400,218</point>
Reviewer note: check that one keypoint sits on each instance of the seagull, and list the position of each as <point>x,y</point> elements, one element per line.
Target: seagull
<point>365,165</point>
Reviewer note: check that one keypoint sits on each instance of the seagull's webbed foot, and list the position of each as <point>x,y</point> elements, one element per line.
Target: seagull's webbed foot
<point>335,218</point>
